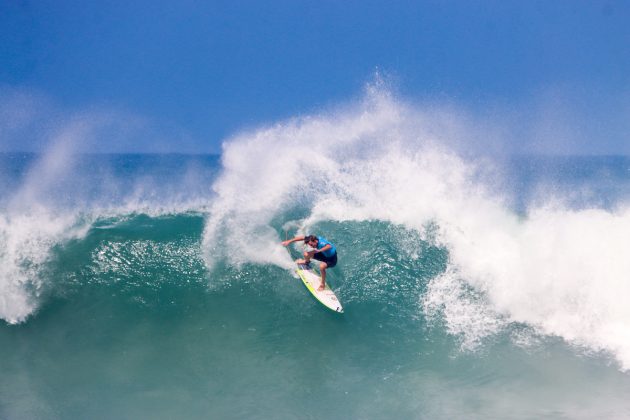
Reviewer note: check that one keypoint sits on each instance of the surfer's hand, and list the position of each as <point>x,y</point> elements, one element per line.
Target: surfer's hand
<point>285,243</point>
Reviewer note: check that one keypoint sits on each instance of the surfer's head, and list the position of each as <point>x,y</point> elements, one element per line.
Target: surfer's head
<point>309,239</point>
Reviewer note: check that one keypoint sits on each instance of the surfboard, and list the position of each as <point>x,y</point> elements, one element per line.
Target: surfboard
<point>312,280</point>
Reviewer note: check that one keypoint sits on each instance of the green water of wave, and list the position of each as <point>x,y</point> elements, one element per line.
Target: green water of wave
<point>133,325</point>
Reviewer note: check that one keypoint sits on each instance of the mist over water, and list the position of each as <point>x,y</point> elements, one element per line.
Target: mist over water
<point>458,270</point>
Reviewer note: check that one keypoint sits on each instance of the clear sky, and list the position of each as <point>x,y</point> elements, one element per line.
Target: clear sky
<point>200,70</point>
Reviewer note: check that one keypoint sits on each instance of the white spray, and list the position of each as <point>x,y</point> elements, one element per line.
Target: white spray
<point>563,272</point>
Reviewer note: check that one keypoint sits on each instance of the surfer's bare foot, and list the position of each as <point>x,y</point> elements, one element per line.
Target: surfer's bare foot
<point>301,261</point>
<point>321,287</point>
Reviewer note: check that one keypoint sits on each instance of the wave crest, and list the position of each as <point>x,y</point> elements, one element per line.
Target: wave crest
<point>556,269</point>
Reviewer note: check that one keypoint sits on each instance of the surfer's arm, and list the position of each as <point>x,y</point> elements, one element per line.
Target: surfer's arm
<point>325,248</point>
<point>297,238</point>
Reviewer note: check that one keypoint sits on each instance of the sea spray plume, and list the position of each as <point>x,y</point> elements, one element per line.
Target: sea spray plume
<point>558,270</point>
<point>378,159</point>
<point>31,225</point>
<point>267,171</point>
<point>41,184</point>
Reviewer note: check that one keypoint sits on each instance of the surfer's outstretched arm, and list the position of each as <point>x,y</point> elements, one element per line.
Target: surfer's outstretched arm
<point>295,239</point>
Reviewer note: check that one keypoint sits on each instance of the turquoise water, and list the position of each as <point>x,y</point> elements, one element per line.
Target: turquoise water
<point>144,287</point>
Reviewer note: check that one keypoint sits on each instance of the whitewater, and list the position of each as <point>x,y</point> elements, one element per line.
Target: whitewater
<point>556,269</point>
<point>475,284</point>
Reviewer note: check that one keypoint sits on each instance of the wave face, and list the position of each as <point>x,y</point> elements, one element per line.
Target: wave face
<point>57,197</point>
<point>470,284</point>
<point>543,248</point>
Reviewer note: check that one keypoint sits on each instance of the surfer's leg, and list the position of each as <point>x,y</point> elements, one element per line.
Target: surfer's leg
<point>308,256</point>
<point>322,269</point>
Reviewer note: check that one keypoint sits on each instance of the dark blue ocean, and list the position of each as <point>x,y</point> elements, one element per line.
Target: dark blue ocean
<point>140,286</point>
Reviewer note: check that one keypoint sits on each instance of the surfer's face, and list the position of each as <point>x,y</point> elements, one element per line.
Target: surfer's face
<point>312,242</point>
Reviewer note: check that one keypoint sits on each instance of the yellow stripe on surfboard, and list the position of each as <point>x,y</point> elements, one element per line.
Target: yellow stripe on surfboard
<point>326,297</point>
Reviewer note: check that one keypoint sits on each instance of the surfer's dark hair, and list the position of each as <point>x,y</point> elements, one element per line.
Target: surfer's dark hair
<point>309,238</point>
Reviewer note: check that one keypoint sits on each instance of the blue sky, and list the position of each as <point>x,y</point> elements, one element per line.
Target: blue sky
<point>198,71</point>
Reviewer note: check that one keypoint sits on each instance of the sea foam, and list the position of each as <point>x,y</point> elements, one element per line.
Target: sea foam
<point>561,271</point>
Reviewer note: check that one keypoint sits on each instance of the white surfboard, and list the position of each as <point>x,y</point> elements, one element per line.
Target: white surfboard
<point>312,280</point>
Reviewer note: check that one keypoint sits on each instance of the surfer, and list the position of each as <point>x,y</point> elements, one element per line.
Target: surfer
<point>323,251</point>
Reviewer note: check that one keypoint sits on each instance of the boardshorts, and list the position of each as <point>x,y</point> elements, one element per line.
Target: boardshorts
<point>330,261</point>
